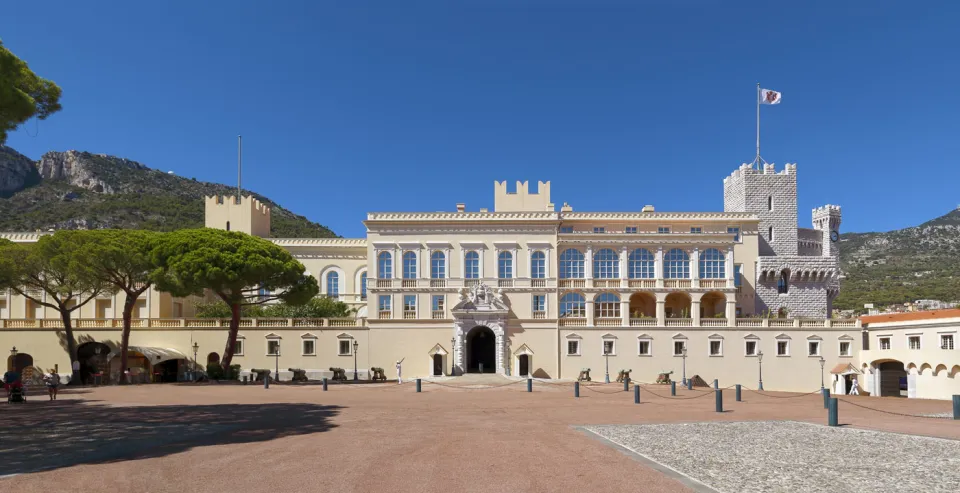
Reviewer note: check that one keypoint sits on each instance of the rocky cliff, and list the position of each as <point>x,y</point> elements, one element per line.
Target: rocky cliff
<point>80,190</point>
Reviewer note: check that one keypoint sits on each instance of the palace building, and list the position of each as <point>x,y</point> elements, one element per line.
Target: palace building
<point>524,289</point>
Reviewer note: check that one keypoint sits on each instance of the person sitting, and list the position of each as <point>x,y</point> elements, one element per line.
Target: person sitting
<point>11,380</point>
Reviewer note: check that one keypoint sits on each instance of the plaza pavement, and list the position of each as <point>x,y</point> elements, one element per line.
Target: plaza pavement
<point>456,435</point>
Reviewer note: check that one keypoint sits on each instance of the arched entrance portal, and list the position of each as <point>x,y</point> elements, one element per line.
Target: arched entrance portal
<point>213,359</point>
<point>481,350</point>
<point>893,379</point>
<point>437,365</point>
<point>524,365</point>
<point>19,362</point>
<point>93,358</point>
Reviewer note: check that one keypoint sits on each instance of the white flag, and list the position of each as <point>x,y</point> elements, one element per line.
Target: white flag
<point>769,97</point>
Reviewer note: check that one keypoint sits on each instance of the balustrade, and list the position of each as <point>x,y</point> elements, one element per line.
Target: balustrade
<point>437,314</point>
<point>643,322</point>
<point>539,314</point>
<point>642,283</point>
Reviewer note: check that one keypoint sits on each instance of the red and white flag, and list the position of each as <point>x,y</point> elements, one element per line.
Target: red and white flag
<point>769,97</point>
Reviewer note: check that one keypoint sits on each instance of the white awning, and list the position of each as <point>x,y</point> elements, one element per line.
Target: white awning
<point>154,354</point>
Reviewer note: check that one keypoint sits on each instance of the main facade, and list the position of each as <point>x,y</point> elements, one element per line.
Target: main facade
<point>527,289</point>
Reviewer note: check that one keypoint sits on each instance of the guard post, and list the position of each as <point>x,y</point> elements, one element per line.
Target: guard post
<point>832,418</point>
<point>418,385</point>
<point>719,394</point>
<point>738,392</point>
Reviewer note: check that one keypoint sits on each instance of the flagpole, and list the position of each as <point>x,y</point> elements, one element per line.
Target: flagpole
<point>758,160</point>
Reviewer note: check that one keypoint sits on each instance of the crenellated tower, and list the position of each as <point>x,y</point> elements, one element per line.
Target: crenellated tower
<point>826,220</point>
<point>772,196</point>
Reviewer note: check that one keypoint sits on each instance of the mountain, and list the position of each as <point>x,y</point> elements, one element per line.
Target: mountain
<point>922,262</point>
<point>80,190</point>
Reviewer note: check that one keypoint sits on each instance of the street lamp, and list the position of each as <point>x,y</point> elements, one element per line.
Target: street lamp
<point>355,346</point>
<point>760,364</point>
<point>822,362</point>
<point>13,352</point>
<point>196,347</point>
<point>276,367</point>
<point>606,357</point>
<point>453,340</point>
<point>683,356</point>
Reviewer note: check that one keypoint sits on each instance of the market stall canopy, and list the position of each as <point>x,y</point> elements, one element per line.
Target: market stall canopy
<point>153,354</point>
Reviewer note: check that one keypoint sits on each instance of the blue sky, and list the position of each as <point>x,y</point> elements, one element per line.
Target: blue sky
<point>349,107</point>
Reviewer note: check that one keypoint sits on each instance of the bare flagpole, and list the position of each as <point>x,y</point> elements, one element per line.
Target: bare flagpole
<point>240,157</point>
<point>758,160</point>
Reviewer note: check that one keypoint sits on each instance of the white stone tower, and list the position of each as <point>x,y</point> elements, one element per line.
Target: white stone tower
<point>772,196</point>
<point>826,220</point>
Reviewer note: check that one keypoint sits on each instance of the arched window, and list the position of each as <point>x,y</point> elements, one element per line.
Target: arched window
<point>571,264</point>
<point>606,305</point>
<point>783,283</point>
<point>641,264</point>
<point>712,264</point>
<point>363,286</point>
<point>471,265</point>
<point>333,284</point>
<point>438,265</point>
<point>385,265</point>
<point>505,265</point>
<point>538,265</point>
<point>409,265</point>
<point>676,264</point>
<point>606,264</point>
<point>573,305</point>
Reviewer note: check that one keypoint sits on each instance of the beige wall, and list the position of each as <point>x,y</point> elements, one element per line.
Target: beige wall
<point>933,372</point>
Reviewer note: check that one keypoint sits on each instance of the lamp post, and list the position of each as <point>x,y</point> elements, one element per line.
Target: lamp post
<point>606,356</point>
<point>355,346</point>
<point>13,357</point>
<point>196,347</point>
<point>760,365</point>
<point>97,349</point>
<point>276,367</point>
<point>822,362</point>
<point>683,356</point>
<point>453,340</point>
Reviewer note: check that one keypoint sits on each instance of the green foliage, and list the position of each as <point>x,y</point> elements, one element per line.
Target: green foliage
<point>121,258</point>
<point>318,307</point>
<point>23,94</point>
<point>214,371</point>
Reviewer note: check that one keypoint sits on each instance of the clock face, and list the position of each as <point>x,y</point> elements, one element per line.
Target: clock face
<point>834,236</point>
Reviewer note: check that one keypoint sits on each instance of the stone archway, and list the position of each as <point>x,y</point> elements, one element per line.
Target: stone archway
<point>213,359</point>
<point>19,362</point>
<point>713,305</point>
<point>481,350</point>
<point>94,358</point>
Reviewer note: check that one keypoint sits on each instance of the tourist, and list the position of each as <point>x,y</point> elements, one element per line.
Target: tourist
<point>52,380</point>
<point>11,380</point>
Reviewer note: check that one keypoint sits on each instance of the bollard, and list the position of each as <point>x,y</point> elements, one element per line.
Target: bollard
<point>529,385</point>
<point>418,385</point>
<point>690,384</point>
<point>576,389</point>
<point>673,388</point>
<point>716,384</point>
<point>324,384</point>
<point>956,407</point>
<point>626,384</point>
<point>738,392</point>
<point>832,418</point>
<point>719,400</point>
<point>636,394</point>
<point>826,398</point>
<point>266,382</point>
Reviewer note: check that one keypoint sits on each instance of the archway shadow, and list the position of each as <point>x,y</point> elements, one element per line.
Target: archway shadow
<point>39,436</point>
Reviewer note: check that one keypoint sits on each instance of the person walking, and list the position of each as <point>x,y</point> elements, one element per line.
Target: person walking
<point>399,371</point>
<point>52,380</point>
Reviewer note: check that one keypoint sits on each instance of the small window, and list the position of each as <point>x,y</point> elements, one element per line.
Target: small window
<point>770,233</point>
<point>735,231</point>
<point>309,347</point>
<point>914,342</point>
<point>333,284</point>
<point>679,348</point>
<point>783,348</point>
<point>599,229</point>
<point>363,286</point>
<point>946,341</point>
<point>566,229</point>
<point>844,348</point>
<point>813,348</point>
<point>345,349</point>
<point>383,306</point>
<point>538,265</point>
<point>696,230</point>
<point>630,230</point>
<point>783,283</point>
<point>609,348</point>
<point>716,348</point>
<point>437,303</point>
<point>573,348</point>
<point>750,348</point>
<point>539,303</point>
<point>663,230</point>
<point>238,348</point>
<point>273,347</point>
<point>770,203</point>
<point>643,348</point>
<point>884,343</point>
<point>471,265</point>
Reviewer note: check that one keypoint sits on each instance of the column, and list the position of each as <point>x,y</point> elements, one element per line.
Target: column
<point>623,266</point>
<point>658,267</point>
<point>731,312</point>
<point>661,310</point>
<point>728,266</point>
<point>397,262</point>
<point>695,268</point>
<point>589,312</point>
<point>695,312</point>
<point>588,264</point>
<point>625,312</point>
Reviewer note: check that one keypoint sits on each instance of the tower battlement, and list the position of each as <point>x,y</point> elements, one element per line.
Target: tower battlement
<point>233,213</point>
<point>522,199</point>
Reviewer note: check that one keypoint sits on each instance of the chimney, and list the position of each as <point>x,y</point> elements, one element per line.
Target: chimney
<point>647,208</point>
<point>461,207</point>
<point>483,209</point>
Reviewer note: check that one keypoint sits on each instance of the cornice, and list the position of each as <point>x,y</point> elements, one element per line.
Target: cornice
<point>373,217</point>
<point>658,216</point>
<point>320,242</point>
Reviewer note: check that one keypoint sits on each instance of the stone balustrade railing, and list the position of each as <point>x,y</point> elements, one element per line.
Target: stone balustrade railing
<point>171,323</point>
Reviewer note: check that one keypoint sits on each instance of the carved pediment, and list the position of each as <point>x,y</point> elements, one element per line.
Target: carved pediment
<point>481,298</point>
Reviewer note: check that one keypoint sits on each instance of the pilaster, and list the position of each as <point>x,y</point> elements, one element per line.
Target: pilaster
<point>589,308</point>
<point>661,312</point>
<point>623,264</point>
<point>625,312</point>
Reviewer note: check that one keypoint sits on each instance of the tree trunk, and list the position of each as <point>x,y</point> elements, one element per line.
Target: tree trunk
<point>71,347</point>
<point>231,337</point>
<point>128,305</point>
